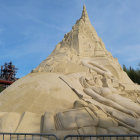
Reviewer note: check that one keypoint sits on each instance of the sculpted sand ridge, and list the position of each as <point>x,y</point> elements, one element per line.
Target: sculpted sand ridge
<point>79,89</point>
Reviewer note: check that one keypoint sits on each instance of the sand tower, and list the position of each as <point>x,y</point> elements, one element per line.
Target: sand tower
<point>79,89</point>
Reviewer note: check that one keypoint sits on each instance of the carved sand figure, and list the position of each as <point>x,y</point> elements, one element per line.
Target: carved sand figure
<point>122,118</point>
<point>127,103</point>
<point>108,102</point>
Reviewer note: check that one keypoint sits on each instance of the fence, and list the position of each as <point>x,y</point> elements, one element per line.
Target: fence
<point>102,137</point>
<point>27,136</point>
<point>39,136</point>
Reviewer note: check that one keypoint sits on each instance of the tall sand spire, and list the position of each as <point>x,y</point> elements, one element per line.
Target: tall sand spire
<point>81,41</point>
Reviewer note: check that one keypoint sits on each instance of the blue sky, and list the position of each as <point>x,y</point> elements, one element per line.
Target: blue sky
<point>30,29</point>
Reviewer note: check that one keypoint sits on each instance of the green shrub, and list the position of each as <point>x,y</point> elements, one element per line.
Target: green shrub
<point>134,74</point>
<point>1,88</point>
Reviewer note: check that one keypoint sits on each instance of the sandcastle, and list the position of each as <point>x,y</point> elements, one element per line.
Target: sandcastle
<point>79,89</point>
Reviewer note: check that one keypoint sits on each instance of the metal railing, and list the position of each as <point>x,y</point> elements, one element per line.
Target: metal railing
<point>102,137</point>
<point>40,136</point>
<point>27,136</point>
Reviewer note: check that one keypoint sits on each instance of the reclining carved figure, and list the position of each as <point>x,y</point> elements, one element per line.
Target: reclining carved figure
<point>122,118</point>
<point>107,101</point>
<point>114,96</point>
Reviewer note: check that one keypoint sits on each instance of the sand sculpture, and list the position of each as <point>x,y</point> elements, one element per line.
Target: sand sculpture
<point>79,89</point>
